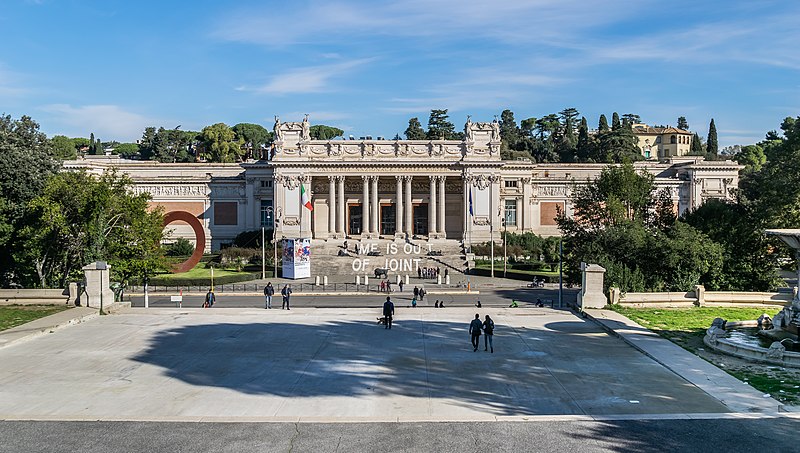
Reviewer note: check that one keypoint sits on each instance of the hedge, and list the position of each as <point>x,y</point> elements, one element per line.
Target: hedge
<point>513,275</point>
<point>224,280</point>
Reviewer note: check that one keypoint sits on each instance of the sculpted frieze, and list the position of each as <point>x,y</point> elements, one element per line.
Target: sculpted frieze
<point>553,191</point>
<point>199,190</point>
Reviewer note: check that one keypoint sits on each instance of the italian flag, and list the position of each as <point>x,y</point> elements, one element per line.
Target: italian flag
<point>305,200</point>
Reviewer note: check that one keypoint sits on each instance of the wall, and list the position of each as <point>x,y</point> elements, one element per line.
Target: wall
<point>705,298</point>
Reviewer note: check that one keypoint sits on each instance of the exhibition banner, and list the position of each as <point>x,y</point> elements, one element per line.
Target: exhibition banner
<point>297,258</point>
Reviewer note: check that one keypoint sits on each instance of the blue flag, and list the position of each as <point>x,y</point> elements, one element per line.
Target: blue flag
<point>470,202</point>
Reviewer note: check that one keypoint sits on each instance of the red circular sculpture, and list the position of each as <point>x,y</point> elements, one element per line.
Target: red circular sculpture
<point>199,234</point>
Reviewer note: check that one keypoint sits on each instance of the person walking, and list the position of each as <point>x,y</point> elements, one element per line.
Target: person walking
<point>269,291</point>
<point>475,331</point>
<point>422,294</point>
<point>210,299</point>
<point>388,312</point>
<point>400,285</point>
<point>286,292</point>
<point>488,332</point>
<point>416,293</point>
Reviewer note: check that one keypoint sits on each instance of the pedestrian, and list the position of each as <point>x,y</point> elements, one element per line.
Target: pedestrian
<point>419,272</point>
<point>436,305</point>
<point>268,293</point>
<point>478,304</point>
<point>441,304</point>
<point>413,303</point>
<point>286,292</point>
<point>488,332</point>
<point>210,299</point>
<point>416,292</point>
<point>422,294</point>
<point>388,312</point>
<point>475,331</point>
<point>400,285</point>
<point>445,272</point>
<point>383,286</point>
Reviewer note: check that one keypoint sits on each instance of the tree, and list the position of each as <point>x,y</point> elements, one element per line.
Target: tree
<point>254,137</point>
<point>697,146</point>
<point>584,146</point>
<point>439,127</point>
<point>92,145</point>
<point>127,150</point>
<point>323,132</point>
<point>617,146</point>
<point>602,125</point>
<point>615,123</point>
<point>631,118</point>
<point>414,130</point>
<point>218,143</point>
<point>568,115</point>
<point>527,127</point>
<point>63,148</point>
<point>509,132</point>
<point>80,218</point>
<point>682,123</point>
<point>711,144</point>
<point>752,157</point>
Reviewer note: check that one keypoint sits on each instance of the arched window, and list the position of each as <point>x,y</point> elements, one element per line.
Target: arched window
<point>672,140</point>
<point>658,139</point>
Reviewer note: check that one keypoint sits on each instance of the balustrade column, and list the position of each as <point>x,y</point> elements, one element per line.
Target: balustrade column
<point>365,206</point>
<point>331,205</point>
<point>341,206</point>
<point>409,208</point>
<point>441,205</point>
<point>376,209</point>
<point>432,207</point>
<point>398,206</point>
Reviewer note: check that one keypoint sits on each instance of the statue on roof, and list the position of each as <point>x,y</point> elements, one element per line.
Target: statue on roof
<point>305,134</point>
<point>468,129</point>
<point>277,129</point>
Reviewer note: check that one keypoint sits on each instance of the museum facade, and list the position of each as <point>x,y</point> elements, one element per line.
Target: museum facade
<point>426,190</point>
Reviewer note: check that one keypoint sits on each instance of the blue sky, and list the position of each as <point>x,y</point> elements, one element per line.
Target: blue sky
<point>113,67</point>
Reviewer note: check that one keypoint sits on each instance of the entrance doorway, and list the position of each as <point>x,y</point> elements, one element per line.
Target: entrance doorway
<point>388,219</point>
<point>421,219</point>
<point>354,219</point>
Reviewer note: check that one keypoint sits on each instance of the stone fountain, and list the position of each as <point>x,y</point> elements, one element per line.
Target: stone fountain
<point>788,320</point>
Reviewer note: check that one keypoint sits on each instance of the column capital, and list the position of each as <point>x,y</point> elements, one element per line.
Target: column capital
<point>365,178</point>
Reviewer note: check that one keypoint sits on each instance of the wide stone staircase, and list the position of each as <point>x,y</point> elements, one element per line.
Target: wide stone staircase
<point>403,258</point>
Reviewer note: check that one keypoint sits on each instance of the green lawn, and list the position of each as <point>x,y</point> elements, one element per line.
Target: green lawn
<point>686,327</point>
<point>15,315</point>
<point>499,265</point>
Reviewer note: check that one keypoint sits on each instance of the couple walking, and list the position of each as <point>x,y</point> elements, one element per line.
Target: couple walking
<point>269,291</point>
<point>475,328</point>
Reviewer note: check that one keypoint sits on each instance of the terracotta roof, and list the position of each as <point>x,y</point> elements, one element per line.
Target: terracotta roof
<point>645,129</point>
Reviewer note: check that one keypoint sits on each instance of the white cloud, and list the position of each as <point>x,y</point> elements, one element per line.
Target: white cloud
<point>107,122</point>
<point>10,83</point>
<point>310,79</point>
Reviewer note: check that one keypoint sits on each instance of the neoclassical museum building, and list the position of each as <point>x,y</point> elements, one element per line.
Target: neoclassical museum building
<point>422,190</point>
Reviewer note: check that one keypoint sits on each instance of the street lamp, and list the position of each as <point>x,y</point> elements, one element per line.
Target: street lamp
<point>271,211</point>
<point>505,248</point>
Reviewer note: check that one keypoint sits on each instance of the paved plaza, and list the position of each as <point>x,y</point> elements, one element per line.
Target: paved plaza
<point>335,365</point>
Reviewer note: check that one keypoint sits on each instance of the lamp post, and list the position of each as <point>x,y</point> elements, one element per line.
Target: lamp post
<point>271,212</point>
<point>505,249</point>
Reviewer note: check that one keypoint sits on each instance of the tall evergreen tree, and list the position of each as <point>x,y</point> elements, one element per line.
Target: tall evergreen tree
<point>569,114</point>
<point>631,118</point>
<point>414,130</point>
<point>509,132</point>
<point>583,148</point>
<point>697,145</point>
<point>602,125</point>
<point>682,123</point>
<point>711,144</point>
<point>440,127</point>
<point>615,123</point>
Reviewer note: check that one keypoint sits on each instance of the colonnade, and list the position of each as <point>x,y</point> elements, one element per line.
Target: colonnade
<point>371,214</point>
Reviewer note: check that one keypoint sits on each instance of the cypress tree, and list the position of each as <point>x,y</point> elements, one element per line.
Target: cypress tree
<point>615,123</point>
<point>697,145</point>
<point>414,130</point>
<point>583,148</point>
<point>711,144</point>
<point>603,126</point>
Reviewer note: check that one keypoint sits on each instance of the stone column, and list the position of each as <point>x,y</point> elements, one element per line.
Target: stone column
<point>441,206</point>
<point>591,295</point>
<point>398,206</point>
<point>331,206</point>
<point>340,218</point>
<point>365,207</point>
<point>465,209</point>
<point>432,208</point>
<point>409,208</point>
<point>376,208</point>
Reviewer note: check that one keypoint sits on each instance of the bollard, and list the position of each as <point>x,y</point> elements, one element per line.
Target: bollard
<point>406,279</point>
<point>366,280</point>
<point>358,279</point>
<point>325,280</point>
<point>447,279</point>
<point>316,280</point>
<point>438,279</point>
<point>397,279</point>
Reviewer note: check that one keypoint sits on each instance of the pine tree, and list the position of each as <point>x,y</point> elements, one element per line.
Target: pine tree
<point>414,130</point>
<point>509,132</point>
<point>631,118</point>
<point>615,123</point>
<point>711,144</point>
<point>682,123</point>
<point>439,126</point>
<point>697,146</point>
<point>603,124</point>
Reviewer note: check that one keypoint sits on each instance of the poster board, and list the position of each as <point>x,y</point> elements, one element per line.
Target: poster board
<point>297,258</point>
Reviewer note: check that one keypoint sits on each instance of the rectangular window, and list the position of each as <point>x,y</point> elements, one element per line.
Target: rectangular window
<point>511,183</point>
<point>225,213</point>
<point>266,184</point>
<point>511,212</point>
<point>266,213</point>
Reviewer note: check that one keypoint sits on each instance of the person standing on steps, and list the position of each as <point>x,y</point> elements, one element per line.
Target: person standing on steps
<point>475,331</point>
<point>286,292</point>
<point>400,285</point>
<point>416,293</point>
<point>488,332</point>
<point>422,294</point>
<point>269,291</point>
<point>388,312</point>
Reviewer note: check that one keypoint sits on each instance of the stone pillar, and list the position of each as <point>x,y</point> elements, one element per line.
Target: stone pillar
<point>398,207</point>
<point>331,206</point>
<point>432,208</point>
<point>409,208</point>
<point>97,282</point>
<point>365,207</point>
<point>591,295</point>
<point>441,206</point>
<point>466,218</point>
<point>376,208</point>
<point>341,206</point>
